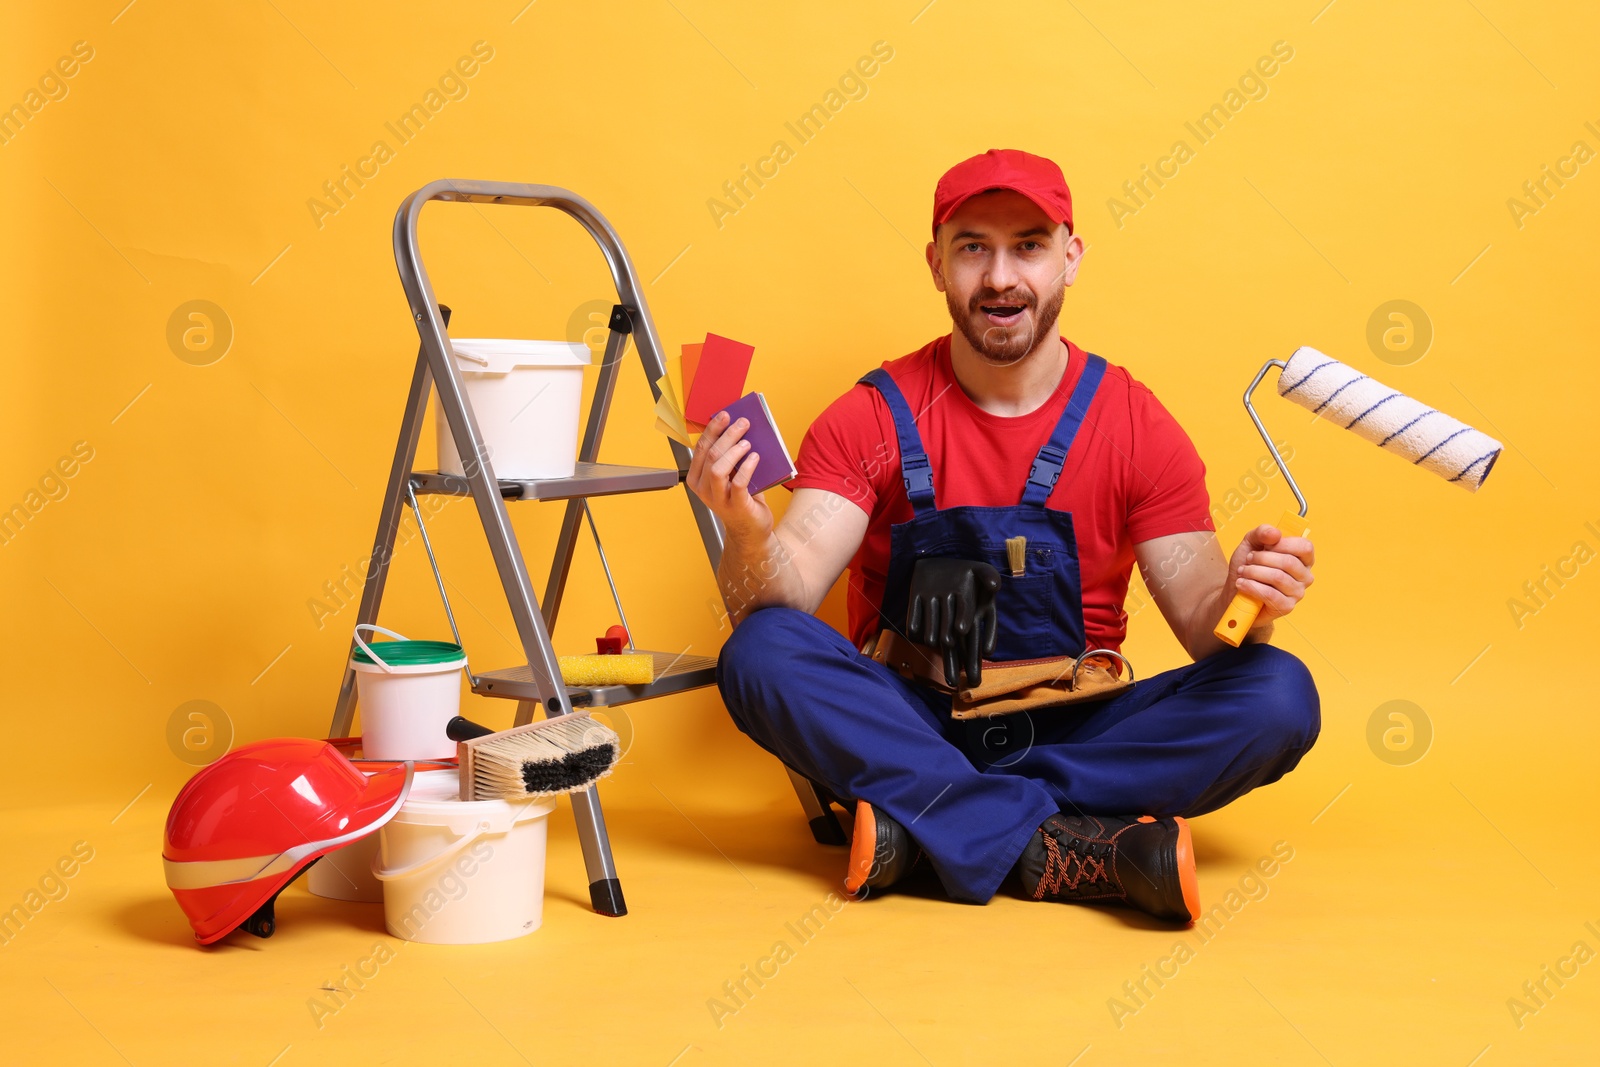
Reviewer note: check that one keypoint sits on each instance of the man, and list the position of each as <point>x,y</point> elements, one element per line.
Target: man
<point>916,477</point>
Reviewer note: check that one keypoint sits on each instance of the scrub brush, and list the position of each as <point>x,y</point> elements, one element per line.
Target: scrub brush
<point>557,755</point>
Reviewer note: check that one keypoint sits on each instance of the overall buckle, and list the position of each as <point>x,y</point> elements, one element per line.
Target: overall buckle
<point>1046,469</point>
<point>917,475</point>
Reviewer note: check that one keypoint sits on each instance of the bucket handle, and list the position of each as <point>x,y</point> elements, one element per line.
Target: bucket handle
<point>368,648</point>
<point>422,528</point>
<point>479,360</point>
<point>385,874</point>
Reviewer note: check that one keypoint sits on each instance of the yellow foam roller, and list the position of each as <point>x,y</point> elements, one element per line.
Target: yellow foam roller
<point>630,668</point>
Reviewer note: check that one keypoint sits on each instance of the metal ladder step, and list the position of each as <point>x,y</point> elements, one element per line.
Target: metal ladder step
<point>590,479</point>
<point>675,673</point>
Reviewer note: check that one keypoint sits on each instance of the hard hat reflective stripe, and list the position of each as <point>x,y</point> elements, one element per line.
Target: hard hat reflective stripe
<point>203,874</point>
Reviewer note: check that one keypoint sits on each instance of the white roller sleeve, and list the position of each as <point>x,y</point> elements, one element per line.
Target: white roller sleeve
<point>1388,418</point>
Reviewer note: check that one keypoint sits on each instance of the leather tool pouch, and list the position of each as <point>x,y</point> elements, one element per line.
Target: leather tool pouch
<point>1018,685</point>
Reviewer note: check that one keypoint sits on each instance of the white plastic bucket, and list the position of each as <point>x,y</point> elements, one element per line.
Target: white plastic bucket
<point>458,872</point>
<point>526,396</point>
<point>346,873</point>
<point>405,707</point>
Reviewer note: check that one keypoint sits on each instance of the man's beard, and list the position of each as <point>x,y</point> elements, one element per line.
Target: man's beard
<point>1006,344</point>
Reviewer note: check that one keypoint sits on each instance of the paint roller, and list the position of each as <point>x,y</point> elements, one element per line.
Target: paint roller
<point>1387,417</point>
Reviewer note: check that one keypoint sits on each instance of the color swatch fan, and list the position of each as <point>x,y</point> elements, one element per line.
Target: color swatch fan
<point>703,381</point>
<point>708,378</point>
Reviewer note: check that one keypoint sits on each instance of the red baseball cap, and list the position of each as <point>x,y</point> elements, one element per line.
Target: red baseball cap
<point>1035,177</point>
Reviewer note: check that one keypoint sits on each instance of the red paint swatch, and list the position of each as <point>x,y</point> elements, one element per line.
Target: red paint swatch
<point>718,377</point>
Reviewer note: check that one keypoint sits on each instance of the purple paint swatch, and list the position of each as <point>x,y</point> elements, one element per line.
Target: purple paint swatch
<point>774,467</point>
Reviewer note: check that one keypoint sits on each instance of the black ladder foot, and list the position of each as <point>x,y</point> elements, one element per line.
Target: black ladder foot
<point>826,829</point>
<point>606,896</point>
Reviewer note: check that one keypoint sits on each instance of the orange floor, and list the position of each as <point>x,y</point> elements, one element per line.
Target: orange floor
<point>1414,904</point>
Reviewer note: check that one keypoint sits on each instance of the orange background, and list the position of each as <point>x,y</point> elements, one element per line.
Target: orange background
<point>1376,165</point>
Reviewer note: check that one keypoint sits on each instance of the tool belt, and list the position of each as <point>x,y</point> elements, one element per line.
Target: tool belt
<point>1016,685</point>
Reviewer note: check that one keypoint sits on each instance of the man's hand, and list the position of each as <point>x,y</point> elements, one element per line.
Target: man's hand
<point>1273,569</point>
<point>1192,582</point>
<point>951,610</point>
<point>719,474</point>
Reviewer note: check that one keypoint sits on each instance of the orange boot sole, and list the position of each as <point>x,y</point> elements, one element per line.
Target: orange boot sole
<point>863,848</point>
<point>1187,876</point>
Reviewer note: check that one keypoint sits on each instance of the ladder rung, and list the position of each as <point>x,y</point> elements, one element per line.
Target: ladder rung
<point>674,674</point>
<point>590,479</point>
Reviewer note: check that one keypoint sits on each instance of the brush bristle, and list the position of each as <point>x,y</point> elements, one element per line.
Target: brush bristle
<point>563,755</point>
<point>585,768</point>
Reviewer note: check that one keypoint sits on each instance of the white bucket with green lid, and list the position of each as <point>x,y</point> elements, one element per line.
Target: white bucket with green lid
<point>408,691</point>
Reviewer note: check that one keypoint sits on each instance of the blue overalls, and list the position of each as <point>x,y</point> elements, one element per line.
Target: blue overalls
<point>1038,614</point>
<point>972,792</point>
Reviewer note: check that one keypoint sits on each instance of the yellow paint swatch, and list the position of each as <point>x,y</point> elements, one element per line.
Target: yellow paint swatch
<point>669,414</point>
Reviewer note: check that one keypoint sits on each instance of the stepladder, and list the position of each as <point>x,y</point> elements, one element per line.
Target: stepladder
<point>536,683</point>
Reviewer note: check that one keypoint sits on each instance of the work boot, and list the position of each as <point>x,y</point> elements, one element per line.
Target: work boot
<point>881,850</point>
<point>1145,863</point>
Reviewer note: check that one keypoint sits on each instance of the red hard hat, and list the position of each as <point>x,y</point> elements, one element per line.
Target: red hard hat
<point>248,824</point>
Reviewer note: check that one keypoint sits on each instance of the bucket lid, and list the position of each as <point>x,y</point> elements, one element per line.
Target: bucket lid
<point>411,653</point>
<point>500,355</point>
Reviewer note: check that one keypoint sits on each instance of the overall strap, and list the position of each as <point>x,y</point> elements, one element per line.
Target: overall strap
<point>914,468</point>
<point>1053,456</point>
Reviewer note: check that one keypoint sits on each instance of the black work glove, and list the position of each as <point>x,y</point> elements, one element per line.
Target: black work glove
<point>951,610</point>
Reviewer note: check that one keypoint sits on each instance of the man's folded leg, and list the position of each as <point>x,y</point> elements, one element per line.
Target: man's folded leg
<point>1127,771</point>
<point>1181,743</point>
<point>801,691</point>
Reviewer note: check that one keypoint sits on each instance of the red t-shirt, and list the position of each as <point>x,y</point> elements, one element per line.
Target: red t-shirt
<point>1132,474</point>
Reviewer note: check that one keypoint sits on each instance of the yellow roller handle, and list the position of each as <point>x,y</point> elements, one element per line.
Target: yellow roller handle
<point>1241,614</point>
